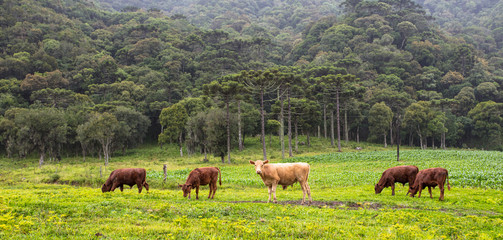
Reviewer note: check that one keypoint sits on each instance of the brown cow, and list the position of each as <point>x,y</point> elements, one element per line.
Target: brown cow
<point>283,174</point>
<point>126,176</point>
<point>430,177</point>
<point>202,176</point>
<point>400,174</point>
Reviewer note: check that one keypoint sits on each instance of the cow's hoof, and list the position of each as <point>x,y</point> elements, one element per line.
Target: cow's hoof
<point>275,201</point>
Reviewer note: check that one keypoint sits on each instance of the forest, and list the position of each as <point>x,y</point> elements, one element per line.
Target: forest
<point>82,78</point>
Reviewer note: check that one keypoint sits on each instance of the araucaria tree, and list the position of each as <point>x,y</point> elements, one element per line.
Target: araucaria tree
<point>228,89</point>
<point>336,84</point>
<point>261,82</point>
<point>173,121</point>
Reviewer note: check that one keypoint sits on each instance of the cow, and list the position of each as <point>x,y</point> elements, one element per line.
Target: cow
<point>126,176</point>
<point>200,177</point>
<point>400,174</point>
<point>430,177</point>
<point>284,174</point>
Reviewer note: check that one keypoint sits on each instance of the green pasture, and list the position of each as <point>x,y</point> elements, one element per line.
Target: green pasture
<point>62,200</point>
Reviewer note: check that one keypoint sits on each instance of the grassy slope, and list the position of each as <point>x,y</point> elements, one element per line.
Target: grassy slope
<point>342,188</point>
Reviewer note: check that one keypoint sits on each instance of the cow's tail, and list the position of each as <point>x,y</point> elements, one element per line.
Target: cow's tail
<point>448,185</point>
<point>219,176</point>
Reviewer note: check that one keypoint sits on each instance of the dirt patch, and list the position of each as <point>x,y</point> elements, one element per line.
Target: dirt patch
<point>327,204</point>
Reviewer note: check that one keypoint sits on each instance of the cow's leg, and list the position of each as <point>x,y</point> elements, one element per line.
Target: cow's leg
<point>114,186</point>
<point>273,189</point>
<point>121,187</point>
<point>211,189</point>
<point>140,186</point>
<point>304,191</point>
<point>269,190</point>
<point>393,189</point>
<point>145,184</point>
<point>214,189</point>
<point>441,187</point>
<point>197,192</point>
<point>420,190</point>
<point>429,190</point>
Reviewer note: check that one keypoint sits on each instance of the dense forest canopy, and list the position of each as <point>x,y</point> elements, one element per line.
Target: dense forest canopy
<point>77,78</point>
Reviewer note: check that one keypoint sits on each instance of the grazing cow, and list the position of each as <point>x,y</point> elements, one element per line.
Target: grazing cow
<point>126,176</point>
<point>283,174</point>
<point>202,176</point>
<point>430,177</point>
<point>400,174</point>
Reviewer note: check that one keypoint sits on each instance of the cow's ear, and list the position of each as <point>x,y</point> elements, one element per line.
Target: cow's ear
<point>180,185</point>
<point>266,161</point>
<point>252,162</point>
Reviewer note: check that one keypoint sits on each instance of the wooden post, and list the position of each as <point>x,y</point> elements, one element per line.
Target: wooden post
<point>100,173</point>
<point>165,175</point>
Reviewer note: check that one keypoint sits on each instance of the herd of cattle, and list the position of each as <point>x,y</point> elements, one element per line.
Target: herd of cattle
<point>285,174</point>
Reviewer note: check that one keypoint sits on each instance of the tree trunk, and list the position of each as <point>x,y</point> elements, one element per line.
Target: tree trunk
<point>240,137</point>
<point>180,144</point>
<point>296,137</point>
<point>398,142</point>
<point>432,142</point>
<point>391,133</point>
<point>308,140</point>
<point>319,132</point>
<point>325,119</point>
<point>385,144</point>
<point>358,134</point>
<point>346,131</point>
<point>228,119</point>
<point>338,122</point>
<point>443,141</point>
<point>420,140</point>
<point>290,152</point>
<point>41,160</point>
<point>332,134</point>
<point>262,120</point>
<point>281,133</point>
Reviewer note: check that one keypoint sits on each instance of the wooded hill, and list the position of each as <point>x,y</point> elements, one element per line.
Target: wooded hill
<point>75,78</point>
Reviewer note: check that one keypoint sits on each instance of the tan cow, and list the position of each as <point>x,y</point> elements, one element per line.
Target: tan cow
<point>283,174</point>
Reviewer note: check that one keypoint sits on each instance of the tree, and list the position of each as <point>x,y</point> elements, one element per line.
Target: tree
<point>45,129</point>
<point>487,118</point>
<point>101,127</point>
<point>336,84</point>
<point>173,120</point>
<point>133,127</point>
<point>380,117</point>
<point>260,82</point>
<point>416,119</point>
<point>406,30</point>
<point>216,131</point>
<point>228,90</point>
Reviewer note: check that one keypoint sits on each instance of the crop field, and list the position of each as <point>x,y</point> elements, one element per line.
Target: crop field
<point>63,200</point>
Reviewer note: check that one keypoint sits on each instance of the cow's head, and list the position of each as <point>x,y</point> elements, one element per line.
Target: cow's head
<point>378,188</point>
<point>259,164</point>
<point>106,188</point>
<point>413,189</point>
<point>186,189</point>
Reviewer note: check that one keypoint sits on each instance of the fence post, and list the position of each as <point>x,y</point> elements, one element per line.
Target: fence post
<point>101,176</point>
<point>165,175</point>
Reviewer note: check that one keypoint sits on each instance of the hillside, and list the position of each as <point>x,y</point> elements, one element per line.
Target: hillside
<point>83,79</point>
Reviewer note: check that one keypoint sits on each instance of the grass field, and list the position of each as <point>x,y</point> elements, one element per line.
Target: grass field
<point>62,200</point>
